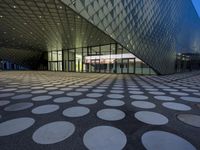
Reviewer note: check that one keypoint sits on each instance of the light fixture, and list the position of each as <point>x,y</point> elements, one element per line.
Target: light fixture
<point>60,7</point>
<point>14,6</point>
<point>40,16</point>
<point>1,16</point>
<point>4,32</point>
<point>13,28</point>
<point>25,23</point>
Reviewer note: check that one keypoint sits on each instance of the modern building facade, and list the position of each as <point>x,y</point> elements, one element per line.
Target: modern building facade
<point>103,36</point>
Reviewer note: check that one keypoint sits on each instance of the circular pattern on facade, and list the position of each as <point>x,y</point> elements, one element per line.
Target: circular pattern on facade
<point>151,118</point>
<point>42,98</point>
<point>74,94</point>
<point>77,111</point>
<point>190,119</point>
<point>170,90</point>
<point>154,140</point>
<point>63,99</point>
<point>111,114</point>
<point>190,90</point>
<point>45,109</point>
<point>53,132</point>
<point>82,90</point>
<point>179,93</point>
<point>176,106</point>
<point>117,91</point>
<point>94,95</point>
<point>113,103</point>
<point>66,89</point>
<point>139,97</point>
<point>115,96</point>
<point>22,96</point>
<point>18,106</point>
<point>191,99</point>
<point>15,125</point>
<point>143,104</point>
<point>4,102</point>
<point>104,138</point>
<point>164,98</point>
<point>87,101</point>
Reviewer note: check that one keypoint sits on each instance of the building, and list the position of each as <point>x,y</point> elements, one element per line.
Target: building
<point>109,36</point>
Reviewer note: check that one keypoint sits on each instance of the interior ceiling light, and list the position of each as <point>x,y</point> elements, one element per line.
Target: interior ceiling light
<point>1,16</point>
<point>14,6</point>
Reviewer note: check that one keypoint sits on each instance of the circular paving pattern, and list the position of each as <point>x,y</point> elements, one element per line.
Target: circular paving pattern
<point>42,98</point>
<point>3,103</point>
<point>6,95</point>
<point>104,138</point>
<point>63,99</point>
<point>53,132</point>
<point>191,99</point>
<point>110,114</point>
<point>179,93</point>
<point>74,94</point>
<point>22,96</point>
<point>18,106</point>
<point>176,106</point>
<point>190,119</point>
<point>56,92</point>
<point>157,93</point>
<point>15,125</point>
<point>164,98</point>
<point>115,96</point>
<point>143,104</point>
<point>87,101</point>
<point>161,140</point>
<point>94,95</point>
<point>151,118</point>
<point>39,91</point>
<point>76,111</point>
<point>45,109</point>
<point>139,97</point>
<point>136,92</point>
<point>113,103</point>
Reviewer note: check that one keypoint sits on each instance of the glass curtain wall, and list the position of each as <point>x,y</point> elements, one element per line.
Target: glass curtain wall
<point>112,58</point>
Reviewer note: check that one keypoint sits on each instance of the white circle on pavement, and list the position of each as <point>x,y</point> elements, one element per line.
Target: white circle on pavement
<point>110,114</point>
<point>176,106</point>
<point>104,138</point>
<point>151,118</point>
<point>191,99</point>
<point>139,97</point>
<point>87,101</point>
<point>179,93</point>
<point>42,98</point>
<point>190,119</point>
<point>4,102</point>
<point>63,99</point>
<point>143,104</point>
<point>115,96</point>
<point>164,98</point>
<point>77,111</point>
<point>45,109</point>
<point>53,132</point>
<point>22,96</point>
<point>15,125</point>
<point>74,94</point>
<point>94,95</point>
<point>113,103</point>
<point>18,106</point>
<point>161,140</point>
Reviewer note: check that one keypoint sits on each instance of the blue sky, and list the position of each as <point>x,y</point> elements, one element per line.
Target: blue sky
<point>197,6</point>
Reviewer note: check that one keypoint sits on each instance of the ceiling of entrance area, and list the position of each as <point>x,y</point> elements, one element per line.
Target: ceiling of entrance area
<point>45,25</point>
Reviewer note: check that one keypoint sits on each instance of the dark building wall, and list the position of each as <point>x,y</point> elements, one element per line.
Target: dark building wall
<point>26,58</point>
<point>150,29</point>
